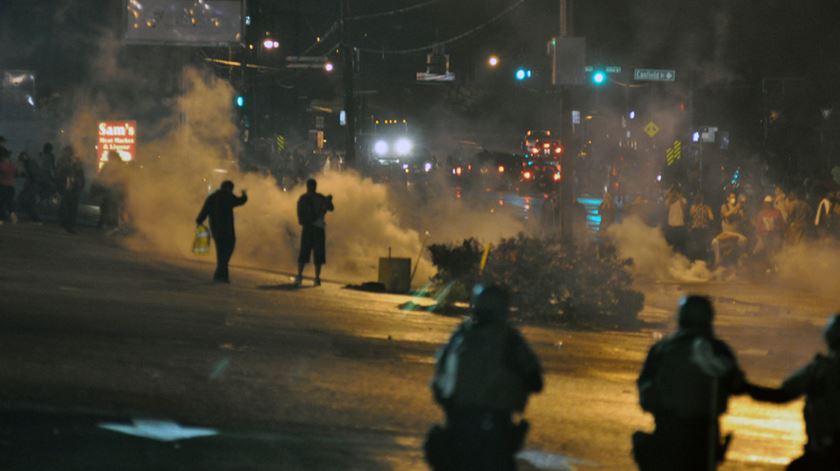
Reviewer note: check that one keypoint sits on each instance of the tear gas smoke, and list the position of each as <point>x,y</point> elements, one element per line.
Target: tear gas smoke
<point>812,267</point>
<point>176,172</point>
<point>196,148</point>
<point>652,257</point>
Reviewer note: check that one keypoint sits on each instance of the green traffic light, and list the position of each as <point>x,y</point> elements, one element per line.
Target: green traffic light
<point>599,77</point>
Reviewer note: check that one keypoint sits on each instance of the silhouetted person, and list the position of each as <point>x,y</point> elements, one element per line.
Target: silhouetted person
<point>607,212</point>
<point>70,178</point>
<point>700,230</point>
<point>732,222</point>
<point>219,208</point>
<point>312,210</point>
<point>676,233</point>
<point>769,224</point>
<point>484,374</point>
<point>798,213</point>
<point>686,382</point>
<point>110,185</point>
<point>48,159</point>
<point>819,382</point>
<point>8,172</point>
<point>28,198</point>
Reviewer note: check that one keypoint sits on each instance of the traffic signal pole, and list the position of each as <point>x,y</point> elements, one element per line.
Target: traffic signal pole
<point>567,193</point>
<point>348,58</point>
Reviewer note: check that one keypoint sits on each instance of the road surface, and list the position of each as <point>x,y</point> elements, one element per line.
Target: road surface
<point>319,378</point>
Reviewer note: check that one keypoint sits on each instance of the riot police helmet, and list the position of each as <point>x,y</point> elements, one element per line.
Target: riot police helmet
<point>490,303</point>
<point>696,314</point>
<point>832,333</point>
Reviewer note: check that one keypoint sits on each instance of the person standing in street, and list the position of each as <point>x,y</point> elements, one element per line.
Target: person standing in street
<point>769,229</point>
<point>28,199</point>
<point>732,222</point>
<point>312,208</point>
<point>607,212</point>
<point>819,382</point>
<point>700,236</point>
<point>47,163</point>
<point>8,172</point>
<point>70,176</point>
<point>484,374</point>
<point>798,213</point>
<point>686,382</point>
<point>219,208</point>
<point>675,231</point>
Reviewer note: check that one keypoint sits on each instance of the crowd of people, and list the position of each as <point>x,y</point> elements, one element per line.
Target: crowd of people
<point>744,226</point>
<point>56,185</point>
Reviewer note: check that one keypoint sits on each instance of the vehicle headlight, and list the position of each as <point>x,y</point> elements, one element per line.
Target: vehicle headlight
<point>381,148</point>
<point>403,146</point>
<point>427,167</point>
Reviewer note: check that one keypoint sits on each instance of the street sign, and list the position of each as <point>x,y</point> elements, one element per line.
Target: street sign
<point>318,59</point>
<point>610,69</point>
<point>673,153</point>
<point>655,75</point>
<point>429,77</point>
<point>651,129</point>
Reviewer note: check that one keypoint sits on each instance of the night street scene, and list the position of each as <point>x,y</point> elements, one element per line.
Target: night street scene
<point>445,235</point>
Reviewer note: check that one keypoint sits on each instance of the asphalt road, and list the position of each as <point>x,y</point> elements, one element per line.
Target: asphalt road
<point>318,378</point>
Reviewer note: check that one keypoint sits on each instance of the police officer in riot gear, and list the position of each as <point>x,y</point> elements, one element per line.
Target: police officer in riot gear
<point>819,382</point>
<point>483,375</point>
<point>686,382</point>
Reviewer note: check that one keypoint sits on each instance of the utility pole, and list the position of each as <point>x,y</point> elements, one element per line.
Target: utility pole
<point>567,192</point>
<point>348,57</point>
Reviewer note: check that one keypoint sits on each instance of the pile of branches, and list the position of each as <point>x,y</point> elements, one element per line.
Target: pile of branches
<point>588,285</point>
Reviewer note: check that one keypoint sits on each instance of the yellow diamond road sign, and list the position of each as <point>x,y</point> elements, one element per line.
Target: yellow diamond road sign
<point>651,129</point>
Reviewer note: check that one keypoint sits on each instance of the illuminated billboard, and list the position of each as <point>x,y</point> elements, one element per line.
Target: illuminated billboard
<point>184,22</point>
<point>117,136</point>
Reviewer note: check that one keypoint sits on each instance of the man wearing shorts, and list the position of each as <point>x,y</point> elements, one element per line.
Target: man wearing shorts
<point>312,209</point>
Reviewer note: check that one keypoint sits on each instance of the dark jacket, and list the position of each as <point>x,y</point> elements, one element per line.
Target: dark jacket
<point>819,382</point>
<point>486,366</point>
<point>219,207</point>
<point>673,384</point>
<point>312,208</point>
<point>70,176</point>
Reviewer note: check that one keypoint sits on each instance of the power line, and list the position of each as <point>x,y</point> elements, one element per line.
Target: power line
<point>328,33</point>
<point>451,40</point>
<point>392,12</point>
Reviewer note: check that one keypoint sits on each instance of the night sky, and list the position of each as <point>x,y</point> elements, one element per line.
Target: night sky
<point>722,49</point>
<point>724,41</point>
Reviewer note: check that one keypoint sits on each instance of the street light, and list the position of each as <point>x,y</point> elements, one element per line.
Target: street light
<point>493,60</point>
<point>329,67</point>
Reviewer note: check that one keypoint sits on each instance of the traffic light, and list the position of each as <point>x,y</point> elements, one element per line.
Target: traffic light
<point>240,101</point>
<point>598,77</point>
<point>522,74</point>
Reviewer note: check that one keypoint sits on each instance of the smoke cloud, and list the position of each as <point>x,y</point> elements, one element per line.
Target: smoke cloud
<point>811,268</point>
<point>190,143</point>
<point>652,257</point>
